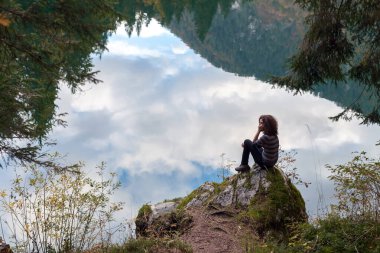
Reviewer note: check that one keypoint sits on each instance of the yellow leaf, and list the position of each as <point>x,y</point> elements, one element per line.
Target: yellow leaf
<point>11,204</point>
<point>4,21</point>
<point>3,194</point>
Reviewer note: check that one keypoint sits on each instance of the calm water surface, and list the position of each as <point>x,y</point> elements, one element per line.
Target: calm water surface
<point>165,114</point>
<point>191,87</point>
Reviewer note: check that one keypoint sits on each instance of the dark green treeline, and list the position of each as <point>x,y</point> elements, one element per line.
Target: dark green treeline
<point>47,44</point>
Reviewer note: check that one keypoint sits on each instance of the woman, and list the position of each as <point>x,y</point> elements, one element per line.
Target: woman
<point>264,150</point>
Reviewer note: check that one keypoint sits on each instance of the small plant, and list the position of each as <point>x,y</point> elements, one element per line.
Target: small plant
<point>286,163</point>
<point>60,211</point>
<point>357,187</point>
<point>331,234</point>
<point>226,165</point>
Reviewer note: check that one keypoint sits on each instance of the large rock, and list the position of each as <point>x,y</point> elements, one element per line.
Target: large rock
<point>265,200</point>
<point>236,190</point>
<point>161,220</point>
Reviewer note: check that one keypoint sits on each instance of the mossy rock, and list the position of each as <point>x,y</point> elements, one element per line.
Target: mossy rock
<point>143,220</point>
<point>200,196</point>
<point>276,208</point>
<point>167,225</point>
<point>265,200</point>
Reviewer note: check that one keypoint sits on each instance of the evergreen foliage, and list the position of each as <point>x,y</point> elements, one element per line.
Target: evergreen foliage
<point>257,37</point>
<point>342,44</point>
<point>43,45</point>
<point>141,12</point>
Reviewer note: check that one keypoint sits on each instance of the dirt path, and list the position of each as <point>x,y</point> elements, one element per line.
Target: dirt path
<point>215,232</point>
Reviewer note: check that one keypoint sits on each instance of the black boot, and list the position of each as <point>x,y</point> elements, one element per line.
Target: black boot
<point>242,168</point>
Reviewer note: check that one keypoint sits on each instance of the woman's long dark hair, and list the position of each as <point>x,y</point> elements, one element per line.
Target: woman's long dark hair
<point>270,124</point>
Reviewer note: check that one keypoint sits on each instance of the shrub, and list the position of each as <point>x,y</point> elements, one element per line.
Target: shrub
<point>331,234</point>
<point>357,186</point>
<point>60,211</point>
<point>353,225</point>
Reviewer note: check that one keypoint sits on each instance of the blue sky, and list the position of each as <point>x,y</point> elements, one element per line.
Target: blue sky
<point>163,116</point>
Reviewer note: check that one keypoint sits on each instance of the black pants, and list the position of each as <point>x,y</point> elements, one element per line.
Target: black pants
<point>255,150</point>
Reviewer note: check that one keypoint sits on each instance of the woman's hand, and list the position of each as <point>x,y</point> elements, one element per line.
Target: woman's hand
<point>260,129</point>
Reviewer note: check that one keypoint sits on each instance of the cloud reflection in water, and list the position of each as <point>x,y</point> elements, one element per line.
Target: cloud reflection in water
<point>164,115</point>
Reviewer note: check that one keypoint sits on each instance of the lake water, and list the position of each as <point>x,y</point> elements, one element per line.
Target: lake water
<point>179,97</point>
<point>164,115</point>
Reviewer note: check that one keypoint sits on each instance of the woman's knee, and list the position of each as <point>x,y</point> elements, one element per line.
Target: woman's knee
<point>248,143</point>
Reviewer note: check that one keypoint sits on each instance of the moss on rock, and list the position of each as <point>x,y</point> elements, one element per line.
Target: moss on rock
<point>265,200</point>
<point>143,220</point>
<point>274,210</point>
<point>202,195</point>
<point>167,225</point>
<point>186,200</point>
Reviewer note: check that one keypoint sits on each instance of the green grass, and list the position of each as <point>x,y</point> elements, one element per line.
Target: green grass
<point>329,235</point>
<point>145,245</point>
<point>186,200</point>
<point>145,210</point>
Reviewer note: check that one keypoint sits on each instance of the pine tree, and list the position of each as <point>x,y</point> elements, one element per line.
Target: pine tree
<point>342,44</point>
<point>43,45</point>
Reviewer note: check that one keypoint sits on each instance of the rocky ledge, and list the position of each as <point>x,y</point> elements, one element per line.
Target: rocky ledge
<point>227,216</point>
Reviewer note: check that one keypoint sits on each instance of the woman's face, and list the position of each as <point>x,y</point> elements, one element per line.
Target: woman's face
<point>261,124</point>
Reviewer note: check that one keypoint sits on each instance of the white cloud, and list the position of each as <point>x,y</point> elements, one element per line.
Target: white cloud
<point>125,49</point>
<point>197,114</point>
<point>121,44</point>
<point>162,108</point>
<point>154,116</point>
<point>180,49</point>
